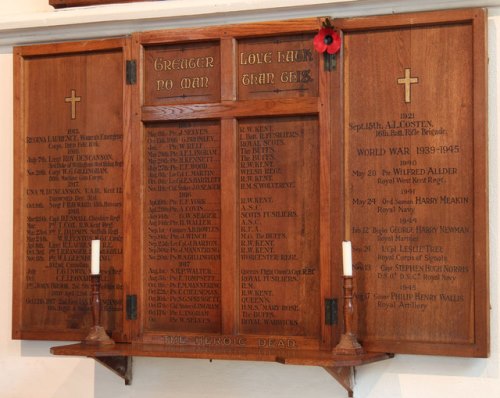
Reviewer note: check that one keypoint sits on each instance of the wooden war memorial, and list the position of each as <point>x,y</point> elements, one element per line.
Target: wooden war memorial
<point>222,167</point>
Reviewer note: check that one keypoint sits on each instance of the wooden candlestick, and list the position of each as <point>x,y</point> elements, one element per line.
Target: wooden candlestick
<point>348,344</point>
<point>97,334</point>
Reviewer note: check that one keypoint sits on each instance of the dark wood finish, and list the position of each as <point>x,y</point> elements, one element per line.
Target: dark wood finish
<point>348,344</point>
<point>416,180</point>
<point>119,357</point>
<point>79,3</point>
<point>70,107</point>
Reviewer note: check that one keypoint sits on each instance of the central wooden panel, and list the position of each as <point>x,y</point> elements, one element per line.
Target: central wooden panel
<point>231,136</point>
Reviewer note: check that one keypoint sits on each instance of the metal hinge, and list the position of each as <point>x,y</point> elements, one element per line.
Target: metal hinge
<point>331,311</point>
<point>131,68</point>
<point>131,307</point>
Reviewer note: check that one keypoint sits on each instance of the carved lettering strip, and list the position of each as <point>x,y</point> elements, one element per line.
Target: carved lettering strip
<point>280,66</point>
<point>182,73</point>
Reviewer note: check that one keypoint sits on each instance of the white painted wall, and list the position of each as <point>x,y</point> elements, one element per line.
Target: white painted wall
<point>27,369</point>
<point>20,6</point>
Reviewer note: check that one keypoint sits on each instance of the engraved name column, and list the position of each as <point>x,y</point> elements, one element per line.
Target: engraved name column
<point>182,202</point>
<point>278,191</point>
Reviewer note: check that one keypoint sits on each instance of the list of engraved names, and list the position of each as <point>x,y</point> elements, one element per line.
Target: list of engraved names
<point>411,219</point>
<point>74,195</point>
<point>182,235</point>
<point>279,217</point>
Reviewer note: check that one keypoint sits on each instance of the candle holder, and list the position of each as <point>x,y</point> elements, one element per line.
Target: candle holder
<point>97,334</point>
<point>348,344</point>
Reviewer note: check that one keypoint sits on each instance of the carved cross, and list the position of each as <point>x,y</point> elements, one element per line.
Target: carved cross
<point>407,81</point>
<point>73,99</point>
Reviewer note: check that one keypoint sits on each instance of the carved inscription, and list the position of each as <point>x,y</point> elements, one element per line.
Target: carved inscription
<point>182,235</point>
<point>186,73</point>
<point>278,234</point>
<point>73,193</point>
<point>411,199</point>
<point>277,67</point>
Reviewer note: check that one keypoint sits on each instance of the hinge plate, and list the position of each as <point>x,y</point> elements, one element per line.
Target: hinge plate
<point>131,307</point>
<point>331,311</point>
<point>131,68</point>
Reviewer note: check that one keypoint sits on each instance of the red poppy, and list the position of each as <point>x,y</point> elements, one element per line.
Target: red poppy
<point>327,40</point>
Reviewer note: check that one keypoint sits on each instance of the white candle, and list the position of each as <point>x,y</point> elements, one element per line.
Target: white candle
<point>347,258</point>
<point>96,253</point>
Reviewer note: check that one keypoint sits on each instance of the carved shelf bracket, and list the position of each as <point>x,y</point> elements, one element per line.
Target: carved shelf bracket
<point>120,365</point>
<point>344,375</point>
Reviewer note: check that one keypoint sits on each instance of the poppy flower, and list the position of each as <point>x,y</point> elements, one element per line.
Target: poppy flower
<point>327,40</point>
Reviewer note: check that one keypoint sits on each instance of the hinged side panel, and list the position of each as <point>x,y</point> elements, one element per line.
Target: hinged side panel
<point>70,107</point>
<point>416,180</point>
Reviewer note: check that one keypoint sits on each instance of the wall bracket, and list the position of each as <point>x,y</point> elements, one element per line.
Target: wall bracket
<point>120,365</point>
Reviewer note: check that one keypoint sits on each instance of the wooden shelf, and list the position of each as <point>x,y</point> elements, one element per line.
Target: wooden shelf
<point>118,357</point>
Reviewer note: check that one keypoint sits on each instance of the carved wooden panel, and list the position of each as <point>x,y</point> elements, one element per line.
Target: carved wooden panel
<point>223,177</point>
<point>416,182</point>
<point>69,186</point>
<point>235,251</point>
